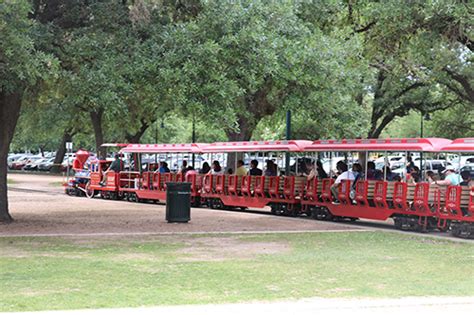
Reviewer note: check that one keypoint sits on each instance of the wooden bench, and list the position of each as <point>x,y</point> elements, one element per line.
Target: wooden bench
<point>300,185</point>
<point>428,197</point>
<point>292,186</point>
<point>458,202</point>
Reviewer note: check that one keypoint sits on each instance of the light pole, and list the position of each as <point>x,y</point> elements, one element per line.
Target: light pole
<point>156,140</point>
<point>423,117</point>
<point>194,136</point>
<point>288,137</point>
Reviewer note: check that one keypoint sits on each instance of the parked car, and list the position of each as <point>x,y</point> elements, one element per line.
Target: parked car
<point>13,158</point>
<point>469,168</point>
<point>436,166</point>
<point>33,163</point>
<point>46,165</point>
<point>19,163</point>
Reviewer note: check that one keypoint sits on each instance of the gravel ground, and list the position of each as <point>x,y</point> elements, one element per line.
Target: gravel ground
<point>40,207</point>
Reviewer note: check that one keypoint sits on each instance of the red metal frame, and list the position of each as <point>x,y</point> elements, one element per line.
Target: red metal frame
<point>326,194</point>
<point>400,196</point>
<point>420,201</point>
<point>361,190</point>
<point>380,194</point>
<point>344,190</point>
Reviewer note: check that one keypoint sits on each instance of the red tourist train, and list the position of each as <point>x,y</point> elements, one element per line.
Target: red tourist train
<point>420,206</point>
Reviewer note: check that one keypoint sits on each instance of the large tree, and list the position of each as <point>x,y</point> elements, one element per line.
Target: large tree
<point>239,62</point>
<point>21,67</point>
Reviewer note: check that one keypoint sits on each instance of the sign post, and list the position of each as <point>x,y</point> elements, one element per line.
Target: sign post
<point>69,151</point>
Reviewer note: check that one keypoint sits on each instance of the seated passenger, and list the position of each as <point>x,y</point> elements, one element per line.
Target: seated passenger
<point>191,171</point>
<point>372,173</point>
<point>184,167</point>
<point>230,171</point>
<point>430,177</point>
<point>164,168</point>
<point>388,174</point>
<point>241,170</point>
<point>410,165</point>
<point>312,171</point>
<point>271,169</point>
<point>451,178</point>
<point>303,170</point>
<point>466,179</point>
<point>397,178</point>
<point>414,177</point>
<point>216,168</point>
<point>345,174</point>
<point>357,172</point>
<point>205,168</point>
<point>254,170</point>
<point>466,182</point>
<point>320,170</point>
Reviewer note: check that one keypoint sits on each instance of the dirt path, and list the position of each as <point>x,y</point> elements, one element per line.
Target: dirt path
<point>39,207</point>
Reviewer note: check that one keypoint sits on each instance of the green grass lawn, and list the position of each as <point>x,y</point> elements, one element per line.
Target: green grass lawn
<point>72,273</point>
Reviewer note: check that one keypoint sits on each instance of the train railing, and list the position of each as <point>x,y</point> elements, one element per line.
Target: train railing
<point>326,194</point>
<point>130,179</point>
<point>344,191</point>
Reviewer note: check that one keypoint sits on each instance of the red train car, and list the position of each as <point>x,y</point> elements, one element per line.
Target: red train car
<point>246,191</point>
<point>416,206</point>
<point>149,183</point>
<point>457,206</point>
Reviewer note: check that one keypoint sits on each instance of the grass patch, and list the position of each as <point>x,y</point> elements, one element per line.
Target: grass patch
<point>71,273</point>
<point>10,181</point>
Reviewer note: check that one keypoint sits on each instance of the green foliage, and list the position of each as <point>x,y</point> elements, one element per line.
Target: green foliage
<point>21,64</point>
<point>345,69</point>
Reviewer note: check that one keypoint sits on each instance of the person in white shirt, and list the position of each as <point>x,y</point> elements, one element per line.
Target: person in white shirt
<point>344,174</point>
<point>216,168</point>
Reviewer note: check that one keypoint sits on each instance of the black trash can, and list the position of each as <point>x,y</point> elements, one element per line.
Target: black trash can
<point>178,202</point>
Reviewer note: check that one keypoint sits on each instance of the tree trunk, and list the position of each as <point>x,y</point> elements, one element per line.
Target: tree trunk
<point>257,106</point>
<point>10,105</point>
<point>377,106</point>
<point>135,138</point>
<point>244,134</point>
<point>96,117</point>
<point>58,160</point>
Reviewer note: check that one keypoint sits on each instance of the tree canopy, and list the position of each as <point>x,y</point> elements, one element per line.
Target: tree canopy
<point>143,70</point>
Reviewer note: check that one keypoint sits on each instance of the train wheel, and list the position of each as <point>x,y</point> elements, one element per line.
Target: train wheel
<point>398,223</point>
<point>455,230</point>
<point>89,192</point>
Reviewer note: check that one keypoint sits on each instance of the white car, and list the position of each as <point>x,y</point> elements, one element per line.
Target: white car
<point>33,163</point>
